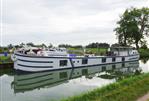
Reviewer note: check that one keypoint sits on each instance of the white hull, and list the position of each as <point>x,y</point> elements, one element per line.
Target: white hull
<point>43,63</point>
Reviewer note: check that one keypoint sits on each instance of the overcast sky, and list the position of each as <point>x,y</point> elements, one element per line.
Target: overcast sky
<point>62,21</point>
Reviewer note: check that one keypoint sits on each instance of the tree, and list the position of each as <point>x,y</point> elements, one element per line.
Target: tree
<point>115,45</point>
<point>1,49</point>
<point>43,45</point>
<point>30,44</point>
<point>22,44</point>
<point>77,46</point>
<point>50,45</point>
<point>10,46</point>
<point>98,45</point>
<point>64,45</point>
<point>133,26</point>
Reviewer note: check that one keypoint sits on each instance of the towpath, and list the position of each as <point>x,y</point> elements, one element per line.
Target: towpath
<point>144,98</point>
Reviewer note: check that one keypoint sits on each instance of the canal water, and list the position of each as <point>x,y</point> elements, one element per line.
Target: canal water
<point>56,85</point>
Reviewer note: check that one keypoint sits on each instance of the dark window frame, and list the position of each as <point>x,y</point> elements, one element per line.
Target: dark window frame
<point>123,58</point>
<point>63,63</point>
<point>84,61</point>
<point>104,60</point>
<point>113,59</point>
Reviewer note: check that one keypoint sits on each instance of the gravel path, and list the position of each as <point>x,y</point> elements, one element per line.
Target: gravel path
<point>144,98</point>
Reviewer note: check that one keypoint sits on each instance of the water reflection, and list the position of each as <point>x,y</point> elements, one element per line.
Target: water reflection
<point>8,71</point>
<point>30,81</point>
<point>126,70</point>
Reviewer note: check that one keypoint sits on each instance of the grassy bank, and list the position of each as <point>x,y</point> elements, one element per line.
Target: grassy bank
<point>97,51</point>
<point>126,90</point>
<point>4,59</point>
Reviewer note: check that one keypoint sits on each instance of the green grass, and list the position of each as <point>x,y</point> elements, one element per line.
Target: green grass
<point>4,59</point>
<point>96,51</point>
<point>128,89</point>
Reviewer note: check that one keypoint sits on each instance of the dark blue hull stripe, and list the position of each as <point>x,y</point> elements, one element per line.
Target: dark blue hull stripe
<point>24,55</point>
<point>35,61</point>
<point>35,66</point>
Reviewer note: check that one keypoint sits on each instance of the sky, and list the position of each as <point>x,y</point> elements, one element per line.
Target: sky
<point>62,21</point>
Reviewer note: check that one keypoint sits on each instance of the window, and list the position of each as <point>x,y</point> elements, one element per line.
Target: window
<point>113,59</point>
<point>63,75</point>
<point>84,61</point>
<point>123,58</point>
<point>103,60</point>
<point>63,62</point>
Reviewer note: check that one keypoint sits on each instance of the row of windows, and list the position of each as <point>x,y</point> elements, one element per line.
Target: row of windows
<point>113,59</point>
<point>104,60</point>
<point>85,61</point>
<point>64,62</point>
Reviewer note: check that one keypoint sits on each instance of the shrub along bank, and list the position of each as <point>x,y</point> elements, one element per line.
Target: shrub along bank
<point>144,53</point>
<point>5,59</point>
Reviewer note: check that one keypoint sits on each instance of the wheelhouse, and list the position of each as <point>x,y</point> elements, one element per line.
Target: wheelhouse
<point>123,51</point>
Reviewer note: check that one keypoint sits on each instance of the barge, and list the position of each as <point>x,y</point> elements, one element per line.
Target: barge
<point>36,60</point>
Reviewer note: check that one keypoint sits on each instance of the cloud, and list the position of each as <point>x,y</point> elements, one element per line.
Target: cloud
<point>62,21</point>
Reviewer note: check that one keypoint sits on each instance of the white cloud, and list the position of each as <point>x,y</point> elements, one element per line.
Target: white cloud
<point>63,21</point>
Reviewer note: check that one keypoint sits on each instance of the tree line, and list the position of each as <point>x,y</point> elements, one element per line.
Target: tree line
<point>90,45</point>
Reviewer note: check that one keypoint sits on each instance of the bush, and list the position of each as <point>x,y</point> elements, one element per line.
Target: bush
<point>144,53</point>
